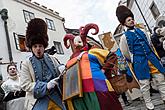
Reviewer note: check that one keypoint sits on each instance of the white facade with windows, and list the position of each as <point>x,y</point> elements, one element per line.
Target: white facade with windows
<point>20,12</point>
<point>151,9</point>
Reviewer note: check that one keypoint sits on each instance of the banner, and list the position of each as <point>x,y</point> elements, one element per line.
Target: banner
<point>72,85</point>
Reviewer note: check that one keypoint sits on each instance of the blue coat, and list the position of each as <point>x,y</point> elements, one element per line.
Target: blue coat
<point>45,70</point>
<point>142,52</point>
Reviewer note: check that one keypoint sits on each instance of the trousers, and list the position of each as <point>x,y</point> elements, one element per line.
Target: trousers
<point>145,87</point>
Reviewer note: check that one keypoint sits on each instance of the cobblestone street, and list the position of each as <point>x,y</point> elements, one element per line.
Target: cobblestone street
<point>139,103</point>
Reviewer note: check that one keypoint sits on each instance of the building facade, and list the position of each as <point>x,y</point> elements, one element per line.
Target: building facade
<point>20,12</point>
<point>147,14</point>
<point>153,11</point>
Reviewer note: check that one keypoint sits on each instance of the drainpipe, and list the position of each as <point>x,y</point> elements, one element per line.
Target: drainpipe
<point>4,17</point>
<point>143,16</point>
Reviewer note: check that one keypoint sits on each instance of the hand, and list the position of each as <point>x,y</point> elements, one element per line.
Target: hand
<point>52,83</point>
<point>158,31</point>
<point>161,39</point>
<point>162,31</point>
<point>61,68</point>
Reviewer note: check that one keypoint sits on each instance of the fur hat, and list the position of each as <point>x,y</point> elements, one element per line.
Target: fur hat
<point>36,33</point>
<point>122,12</point>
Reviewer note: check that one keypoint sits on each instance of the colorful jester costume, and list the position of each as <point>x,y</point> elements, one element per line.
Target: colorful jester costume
<point>98,93</point>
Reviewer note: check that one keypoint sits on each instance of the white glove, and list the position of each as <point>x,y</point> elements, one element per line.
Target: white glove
<point>161,39</point>
<point>52,83</point>
<point>160,31</point>
<point>61,68</point>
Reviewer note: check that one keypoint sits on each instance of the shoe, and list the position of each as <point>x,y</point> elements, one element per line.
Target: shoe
<point>153,90</point>
<point>127,103</point>
<point>149,106</point>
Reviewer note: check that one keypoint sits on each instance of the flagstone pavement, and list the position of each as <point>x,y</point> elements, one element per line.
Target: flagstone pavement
<point>138,104</point>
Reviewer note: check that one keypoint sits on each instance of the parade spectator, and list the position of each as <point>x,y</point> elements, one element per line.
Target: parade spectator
<point>136,46</point>
<point>157,40</point>
<point>122,69</point>
<point>161,32</point>
<point>14,95</point>
<point>98,93</point>
<point>39,73</point>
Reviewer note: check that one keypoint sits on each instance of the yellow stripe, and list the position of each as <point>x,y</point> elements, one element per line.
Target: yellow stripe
<point>70,105</point>
<point>109,85</point>
<point>153,69</point>
<point>100,54</point>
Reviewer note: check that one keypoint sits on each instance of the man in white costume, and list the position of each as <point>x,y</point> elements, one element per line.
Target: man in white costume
<point>14,96</point>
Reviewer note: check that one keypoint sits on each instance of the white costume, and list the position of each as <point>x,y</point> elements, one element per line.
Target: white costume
<point>12,85</point>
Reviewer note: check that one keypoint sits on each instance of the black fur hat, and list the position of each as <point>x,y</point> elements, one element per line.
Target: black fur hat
<point>122,12</point>
<point>36,33</point>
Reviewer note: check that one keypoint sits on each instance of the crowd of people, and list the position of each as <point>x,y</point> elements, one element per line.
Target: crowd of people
<point>39,84</point>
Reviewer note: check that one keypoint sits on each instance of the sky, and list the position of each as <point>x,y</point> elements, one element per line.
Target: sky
<point>81,12</point>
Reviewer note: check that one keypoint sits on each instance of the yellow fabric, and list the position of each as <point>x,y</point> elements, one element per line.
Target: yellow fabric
<point>109,85</point>
<point>99,53</point>
<point>70,105</point>
<point>153,69</point>
<point>53,106</point>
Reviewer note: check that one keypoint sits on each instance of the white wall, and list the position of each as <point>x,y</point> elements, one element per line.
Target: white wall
<point>17,24</point>
<point>144,5</point>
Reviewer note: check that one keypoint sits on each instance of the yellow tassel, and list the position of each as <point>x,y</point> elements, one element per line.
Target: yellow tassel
<point>53,106</point>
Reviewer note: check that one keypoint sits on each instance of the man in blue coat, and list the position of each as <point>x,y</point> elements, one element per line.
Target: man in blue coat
<point>137,48</point>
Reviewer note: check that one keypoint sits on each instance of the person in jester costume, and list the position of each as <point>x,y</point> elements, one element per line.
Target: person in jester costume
<point>97,92</point>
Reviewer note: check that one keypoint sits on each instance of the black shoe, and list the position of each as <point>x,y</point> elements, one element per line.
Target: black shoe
<point>153,90</point>
<point>150,109</point>
<point>127,103</point>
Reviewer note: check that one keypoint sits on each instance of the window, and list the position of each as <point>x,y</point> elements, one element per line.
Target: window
<point>58,47</point>
<point>20,42</point>
<point>50,24</point>
<point>28,15</point>
<point>154,10</point>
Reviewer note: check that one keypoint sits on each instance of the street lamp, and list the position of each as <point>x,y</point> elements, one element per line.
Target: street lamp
<point>4,14</point>
<point>4,17</point>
